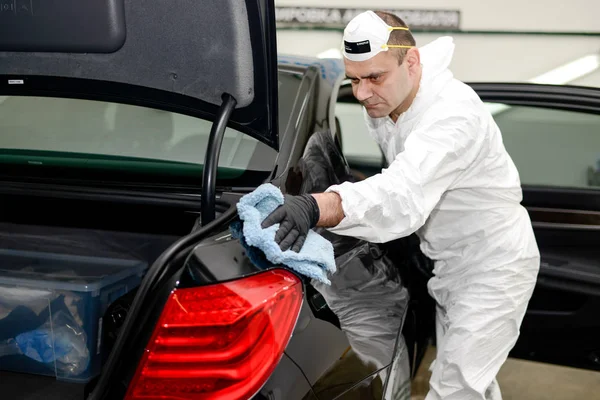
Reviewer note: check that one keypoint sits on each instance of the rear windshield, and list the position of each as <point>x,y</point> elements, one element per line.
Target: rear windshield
<point>104,135</point>
<point>102,128</point>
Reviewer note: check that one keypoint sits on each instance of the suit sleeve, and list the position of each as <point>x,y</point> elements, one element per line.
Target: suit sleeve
<point>398,201</point>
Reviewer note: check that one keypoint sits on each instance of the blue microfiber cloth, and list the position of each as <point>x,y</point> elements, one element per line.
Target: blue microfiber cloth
<point>315,259</point>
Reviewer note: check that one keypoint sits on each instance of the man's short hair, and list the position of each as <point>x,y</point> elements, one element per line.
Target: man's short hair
<point>397,37</point>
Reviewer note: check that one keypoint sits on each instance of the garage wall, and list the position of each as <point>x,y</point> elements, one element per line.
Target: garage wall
<point>477,57</point>
<point>515,57</point>
<point>506,15</point>
<point>484,56</point>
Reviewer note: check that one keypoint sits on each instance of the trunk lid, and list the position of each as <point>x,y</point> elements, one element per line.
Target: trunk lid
<point>193,49</point>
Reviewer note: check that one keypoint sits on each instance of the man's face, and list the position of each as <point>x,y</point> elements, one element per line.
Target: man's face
<point>380,84</point>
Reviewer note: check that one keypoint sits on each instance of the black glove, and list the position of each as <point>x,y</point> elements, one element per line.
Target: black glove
<point>297,216</point>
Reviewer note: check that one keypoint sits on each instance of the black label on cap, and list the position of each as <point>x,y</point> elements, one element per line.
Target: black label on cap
<point>357,47</point>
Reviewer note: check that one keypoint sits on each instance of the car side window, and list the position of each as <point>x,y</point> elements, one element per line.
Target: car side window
<point>289,84</point>
<point>551,147</point>
<point>358,147</point>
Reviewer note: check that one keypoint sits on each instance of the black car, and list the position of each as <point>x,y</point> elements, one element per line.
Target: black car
<point>131,132</point>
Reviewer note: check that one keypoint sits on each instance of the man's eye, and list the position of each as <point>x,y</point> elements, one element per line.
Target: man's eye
<point>376,78</point>
<point>354,81</point>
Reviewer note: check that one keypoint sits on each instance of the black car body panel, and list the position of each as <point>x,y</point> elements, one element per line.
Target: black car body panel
<point>318,361</point>
<point>198,50</point>
<point>132,59</point>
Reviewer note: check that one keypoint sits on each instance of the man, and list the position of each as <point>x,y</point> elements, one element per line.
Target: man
<point>451,181</point>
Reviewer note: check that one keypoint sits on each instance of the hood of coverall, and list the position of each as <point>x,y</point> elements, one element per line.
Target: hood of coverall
<point>435,60</point>
<point>436,57</point>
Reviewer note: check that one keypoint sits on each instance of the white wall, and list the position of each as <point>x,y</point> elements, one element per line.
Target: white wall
<point>505,15</point>
<point>514,57</point>
<point>481,56</point>
<point>477,57</point>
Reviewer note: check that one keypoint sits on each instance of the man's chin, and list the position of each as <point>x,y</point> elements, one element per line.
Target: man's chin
<point>376,112</point>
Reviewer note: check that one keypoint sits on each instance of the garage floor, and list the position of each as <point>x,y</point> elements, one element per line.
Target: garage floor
<point>528,380</point>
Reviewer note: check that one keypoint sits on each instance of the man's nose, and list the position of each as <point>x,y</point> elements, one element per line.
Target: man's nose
<point>363,90</point>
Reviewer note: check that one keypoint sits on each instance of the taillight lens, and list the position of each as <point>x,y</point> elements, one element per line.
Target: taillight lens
<point>220,341</point>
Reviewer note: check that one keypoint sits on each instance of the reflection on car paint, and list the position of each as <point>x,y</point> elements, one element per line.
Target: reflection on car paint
<point>366,294</point>
<point>330,68</point>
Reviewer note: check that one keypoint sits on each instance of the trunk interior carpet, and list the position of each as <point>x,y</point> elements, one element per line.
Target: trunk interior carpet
<point>14,386</point>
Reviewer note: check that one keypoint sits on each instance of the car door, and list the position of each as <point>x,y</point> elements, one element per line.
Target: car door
<point>553,136</point>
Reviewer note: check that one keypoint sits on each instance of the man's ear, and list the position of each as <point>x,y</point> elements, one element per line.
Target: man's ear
<point>413,59</point>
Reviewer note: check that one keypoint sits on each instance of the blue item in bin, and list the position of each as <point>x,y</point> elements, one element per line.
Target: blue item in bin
<point>39,346</point>
<point>60,341</point>
<point>64,338</point>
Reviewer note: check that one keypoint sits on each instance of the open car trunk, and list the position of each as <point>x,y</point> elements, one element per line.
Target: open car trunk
<point>69,270</point>
<point>69,267</point>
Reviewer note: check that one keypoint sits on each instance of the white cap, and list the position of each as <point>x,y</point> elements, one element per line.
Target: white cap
<point>366,35</point>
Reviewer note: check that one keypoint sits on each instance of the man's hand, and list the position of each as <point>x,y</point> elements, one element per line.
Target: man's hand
<point>297,216</point>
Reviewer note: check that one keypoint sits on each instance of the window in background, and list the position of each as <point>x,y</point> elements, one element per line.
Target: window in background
<point>551,147</point>
<point>360,150</point>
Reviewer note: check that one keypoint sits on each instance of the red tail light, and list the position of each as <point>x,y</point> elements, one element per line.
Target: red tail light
<point>220,341</point>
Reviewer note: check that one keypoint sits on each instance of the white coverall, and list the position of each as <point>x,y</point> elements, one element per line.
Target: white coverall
<point>452,182</point>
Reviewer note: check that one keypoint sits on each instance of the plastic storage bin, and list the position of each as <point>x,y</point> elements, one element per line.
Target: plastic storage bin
<point>51,309</point>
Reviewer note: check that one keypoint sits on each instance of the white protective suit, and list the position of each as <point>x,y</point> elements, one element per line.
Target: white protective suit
<point>451,181</point>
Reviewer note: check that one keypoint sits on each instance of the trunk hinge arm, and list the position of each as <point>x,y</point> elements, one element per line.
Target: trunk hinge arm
<point>211,159</point>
